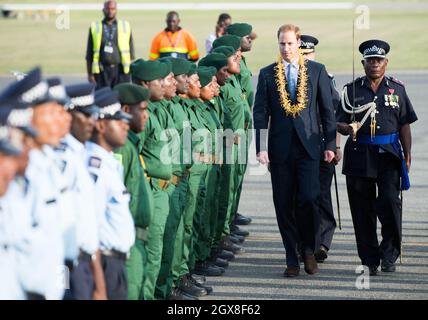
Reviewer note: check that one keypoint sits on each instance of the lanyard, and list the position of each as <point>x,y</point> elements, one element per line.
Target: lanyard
<point>177,40</point>
<point>110,36</point>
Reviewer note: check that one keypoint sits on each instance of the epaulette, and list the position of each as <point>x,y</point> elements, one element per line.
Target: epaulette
<point>395,80</point>
<point>356,81</point>
<point>61,147</point>
<point>94,162</point>
<point>330,75</point>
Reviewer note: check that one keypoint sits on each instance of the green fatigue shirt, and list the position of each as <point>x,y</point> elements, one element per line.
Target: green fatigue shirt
<point>141,203</point>
<point>153,147</point>
<point>245,79</point>
<point>235,104</point>
<point>182,123</point>
<point>209,114</point>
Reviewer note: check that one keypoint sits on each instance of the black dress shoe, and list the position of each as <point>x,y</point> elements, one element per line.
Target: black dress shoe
<point>188,287</point>
<point>238,238</point>
<point>321,254</point>
<point>177,294</point>
<point>230,246</point>
<point>199,279</point>
<point>387,266</point>
<point>372,270</point>
<point>239,219</point>
<point>208,289</point>
<point>226,255</point>
<point>291,272</point>
<point>219,262</point>
<point>205,269</point>
<point>234,229</point>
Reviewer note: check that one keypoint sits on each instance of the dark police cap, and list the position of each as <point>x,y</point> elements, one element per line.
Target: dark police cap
<point>149,70</point>
<point>56,91</point>
<point>239,29</point>
<point>374,48</point>
<point>228,40</point>
<point>132,94</point>
<point>29,91</point>
<point>10,138</point>
<point>307,43</point>
<point>108,102</point>
<point>206,75</point>
<point>226,50</point>
<point>82,98</point>
<point>216,60</point>
<point>193,69</point>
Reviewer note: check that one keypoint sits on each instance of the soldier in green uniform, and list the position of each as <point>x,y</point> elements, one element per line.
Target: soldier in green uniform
<point>134,100</point>
<point>206,222</point>
<point>235,105</point>
<point>157,166</point>
<point>243,30</point>
<point>174,118</point>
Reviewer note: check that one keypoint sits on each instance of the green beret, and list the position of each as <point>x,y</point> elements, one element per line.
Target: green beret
<point>216,60</point>
<point>168,64</point>
<point>226,50</point>
<point>206,75</point>
<point>148,70</point>
<point>193,69</point>
<point>131,94</point>
<point>228,40</point>
<point>239,29</point>
<point>179,65</point>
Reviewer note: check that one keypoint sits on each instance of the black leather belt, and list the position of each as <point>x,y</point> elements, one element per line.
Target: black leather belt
<point>84,256</point>
<point>115,254</point>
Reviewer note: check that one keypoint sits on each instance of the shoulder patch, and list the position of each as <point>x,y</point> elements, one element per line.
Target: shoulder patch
<point>94,162</point>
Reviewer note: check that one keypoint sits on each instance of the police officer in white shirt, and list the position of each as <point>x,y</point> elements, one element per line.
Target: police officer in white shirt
<point>116,227</point>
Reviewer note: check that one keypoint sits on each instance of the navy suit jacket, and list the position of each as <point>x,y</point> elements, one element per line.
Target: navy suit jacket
<point>268,114</point>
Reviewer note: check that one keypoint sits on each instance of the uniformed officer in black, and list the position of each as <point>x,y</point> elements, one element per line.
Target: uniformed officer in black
<point>110,49</point>
<point>326,214</point>
<point>379,157</point>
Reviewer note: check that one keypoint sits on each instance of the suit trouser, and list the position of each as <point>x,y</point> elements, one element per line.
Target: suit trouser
<point>366,208</point>
<point>177,201</point>
<point>326,214</point>
<point>135,267</point>
<point>115,277</point>
<point>184,238</point>
<point>296,180</point>
<point>155,238</point>
<point>81,282</point>
<point>111,76</point>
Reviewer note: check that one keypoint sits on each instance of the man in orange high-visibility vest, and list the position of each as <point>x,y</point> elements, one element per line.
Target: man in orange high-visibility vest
<point>174,41</point>
<point>110,49</point>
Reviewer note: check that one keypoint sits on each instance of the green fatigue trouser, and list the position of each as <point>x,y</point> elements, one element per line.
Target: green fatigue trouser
<point>155,237</point>
<point>212,186</point>
<point>177,200</point>
<point>226,196</point>
<point>201,225</point>
<point>240,178</point>
<point>184,245</point>
<point>135,268</point>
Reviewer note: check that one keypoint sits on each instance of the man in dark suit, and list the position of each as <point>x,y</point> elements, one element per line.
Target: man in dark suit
<point>289,93</point>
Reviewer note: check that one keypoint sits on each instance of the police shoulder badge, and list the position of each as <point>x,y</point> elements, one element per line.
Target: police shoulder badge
<point>95,162</point>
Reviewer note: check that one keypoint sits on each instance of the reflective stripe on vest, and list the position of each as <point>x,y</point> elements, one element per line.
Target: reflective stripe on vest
<point>123,39</point>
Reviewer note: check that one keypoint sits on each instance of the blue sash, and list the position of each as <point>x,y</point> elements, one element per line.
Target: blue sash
<point>392,139</point>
